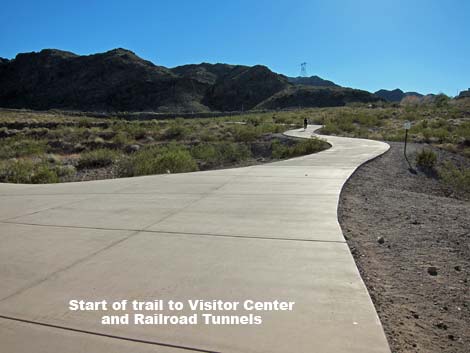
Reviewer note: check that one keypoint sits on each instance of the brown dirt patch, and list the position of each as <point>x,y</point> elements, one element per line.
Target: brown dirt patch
<point>399,225</point>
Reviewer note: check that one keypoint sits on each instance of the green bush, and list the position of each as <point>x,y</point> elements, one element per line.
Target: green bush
<point>312,145</point>
<point>42,174</point>
<point>18,146</point>
<point>234,152</point>
<point>279,150</point>
<point>207,153</point>
<point>176,130</point>
<point>245,133</point>
<point>97,158</point>
<point>338,124</point>
<point>26,172</point>
<point>121,139</point>
<point>426,159</point>
<point>222,152</point>
<point>65,171</point>
<point>457,179</point>
<point>301,148</point>
<point>157,160</point>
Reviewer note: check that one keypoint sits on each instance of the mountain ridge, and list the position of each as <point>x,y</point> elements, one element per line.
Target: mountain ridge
<point>119,80</point>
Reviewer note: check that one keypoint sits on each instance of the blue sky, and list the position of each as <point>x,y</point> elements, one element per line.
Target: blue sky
<point>416,45</point>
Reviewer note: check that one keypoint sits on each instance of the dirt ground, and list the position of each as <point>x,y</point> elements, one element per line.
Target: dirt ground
<point>411,241</point>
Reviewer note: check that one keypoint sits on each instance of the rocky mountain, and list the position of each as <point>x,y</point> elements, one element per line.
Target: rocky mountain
<point>464,94</point>
<point>119,80</point>
<point>315,81</point>
<point>395,95</point>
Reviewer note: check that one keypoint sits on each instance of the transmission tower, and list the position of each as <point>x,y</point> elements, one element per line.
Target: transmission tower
<point>303,69</point>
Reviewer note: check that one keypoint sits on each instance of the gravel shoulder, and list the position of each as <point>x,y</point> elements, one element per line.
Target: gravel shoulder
<point>410,238</point>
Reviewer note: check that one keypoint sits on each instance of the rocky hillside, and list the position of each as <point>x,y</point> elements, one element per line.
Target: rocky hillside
<point>307,96</point>
<point>315,81</point>
<point>395,95</point>
<point>464,94</point>
<point>119,80</point>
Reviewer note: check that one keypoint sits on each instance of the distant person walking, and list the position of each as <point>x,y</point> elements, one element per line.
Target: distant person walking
<point>305,123</point>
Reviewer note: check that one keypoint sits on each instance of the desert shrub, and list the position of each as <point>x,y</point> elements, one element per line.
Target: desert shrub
<point>157,160</point>
<point>426,159</point>
<point>233,152</point>
<point>464,131</point>
<point>441,134</point>
<point>65,171</point>
<point>121,138</point>
<point>312,145</point>
<point>368,120</point>
<point>254,120</point>
<point>391,136</point>
<point>16,171</point>
<point>207,153</point>
<point>454,177</point>
<point>97,158</point>
<point>330,128</point>
<point>272,128</point>
<point>245,133</point>
<point>43,174</point>
<point>176,161</point>
<point>281,119</point>
<point>176,130</point>
<point>304,147</point>
<point>221,153</point>
<point>279,150</point>
<point>18,146</point>
<point>136,130</point>
<point>441,100</point>
<point>26,172</point>
<point>337,125</point>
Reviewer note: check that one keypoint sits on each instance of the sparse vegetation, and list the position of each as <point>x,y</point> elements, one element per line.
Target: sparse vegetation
<point>70,146</point>
<point>49,147</point>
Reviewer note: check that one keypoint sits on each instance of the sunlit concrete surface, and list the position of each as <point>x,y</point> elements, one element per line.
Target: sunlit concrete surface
<point>263,232</point>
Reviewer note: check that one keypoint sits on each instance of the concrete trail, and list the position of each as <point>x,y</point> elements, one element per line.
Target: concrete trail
<point>263,232</point>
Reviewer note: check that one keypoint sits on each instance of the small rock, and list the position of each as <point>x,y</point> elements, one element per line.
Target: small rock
<point>451,337</point>
<point>432,270</point>
<point>380,240</point>
<point>132,148</point>
<point>441,325</point>
<point>458,268</point>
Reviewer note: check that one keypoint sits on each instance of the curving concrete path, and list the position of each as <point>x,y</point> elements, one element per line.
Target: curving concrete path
<point>263,232</point>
